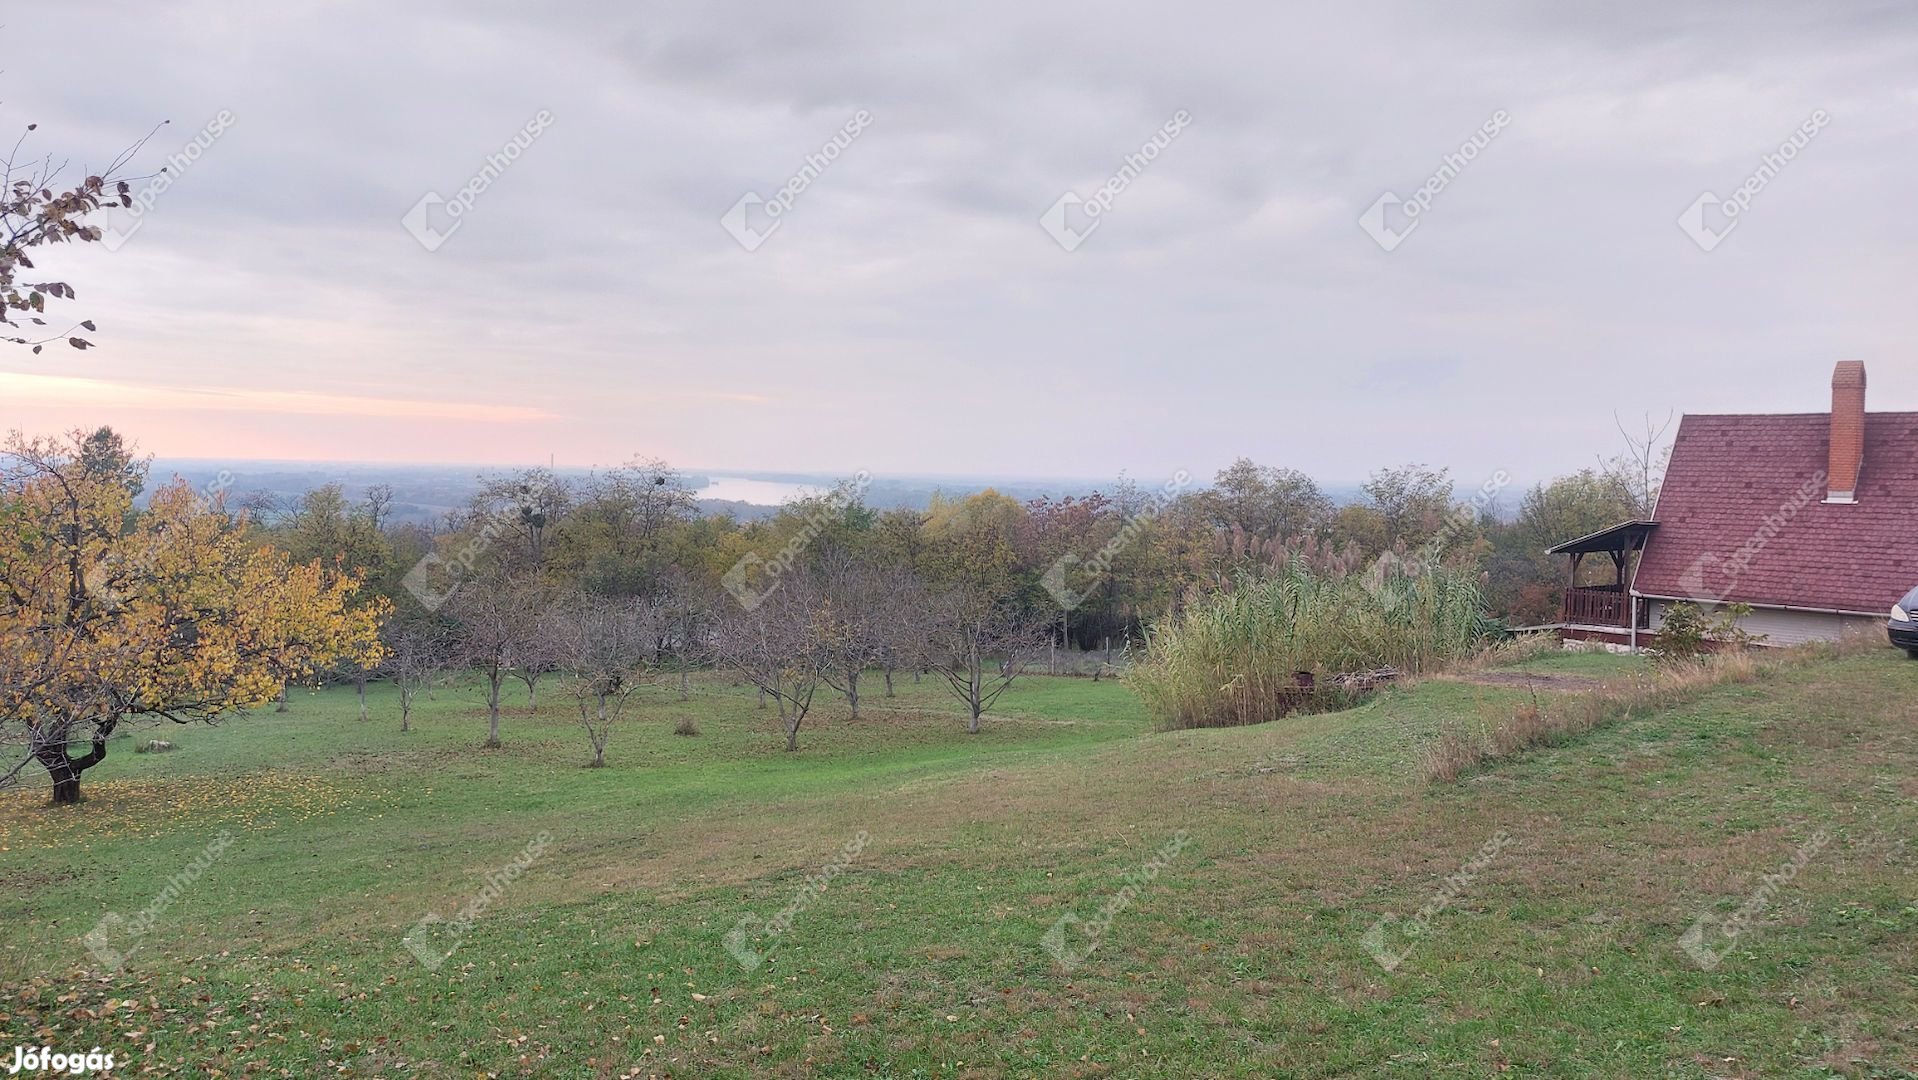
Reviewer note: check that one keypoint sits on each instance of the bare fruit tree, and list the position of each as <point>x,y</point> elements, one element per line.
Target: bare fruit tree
<point>862,624</point>
<point>904,620</point>
<point>775,647</point>
<point>491,610</point>
<point>418,651</point>
<point>538,649</point>
<point>686,612</point>
<point>604,648</point>
<point>521,512</point>
<point>980,645</point>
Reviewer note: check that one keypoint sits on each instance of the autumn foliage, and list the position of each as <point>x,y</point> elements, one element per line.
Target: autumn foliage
<point>110,613</point>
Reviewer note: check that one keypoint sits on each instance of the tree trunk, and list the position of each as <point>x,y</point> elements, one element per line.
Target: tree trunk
<point>64,769</point>
<point>792,736</point>
<point>889,692</point>
<point>685,683</point>
<point>532,696</point>
<point>972,726</point>
<point>359,683</point>
<point>762,697</point>
<point>492,712</point>
<point>282,706</point>
<point>852,692</point>
<point>406,710</point>
<point>599,735</point>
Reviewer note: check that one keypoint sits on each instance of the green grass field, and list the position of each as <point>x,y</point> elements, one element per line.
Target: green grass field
<point>1592,663</point>
<point>1290,858</point>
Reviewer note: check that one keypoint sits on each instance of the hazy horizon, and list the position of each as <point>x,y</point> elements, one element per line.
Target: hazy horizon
<point>1200,479</point>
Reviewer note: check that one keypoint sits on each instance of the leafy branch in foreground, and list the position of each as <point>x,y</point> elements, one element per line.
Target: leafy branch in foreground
<point>35,211</point>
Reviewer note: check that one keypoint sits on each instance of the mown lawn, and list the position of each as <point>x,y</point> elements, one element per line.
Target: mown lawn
<point>1593,662</point>
<point>1250,951</point>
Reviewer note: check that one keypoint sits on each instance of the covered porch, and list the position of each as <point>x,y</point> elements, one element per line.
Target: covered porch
<point>1601,603</point>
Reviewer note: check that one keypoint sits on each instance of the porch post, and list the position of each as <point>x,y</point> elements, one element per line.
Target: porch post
<point>1571,589</point>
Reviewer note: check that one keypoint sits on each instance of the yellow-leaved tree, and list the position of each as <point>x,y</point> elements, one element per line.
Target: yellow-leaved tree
<point>110,613</point>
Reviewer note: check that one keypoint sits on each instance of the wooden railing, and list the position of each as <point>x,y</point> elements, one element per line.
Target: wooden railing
<point>1602,605</point>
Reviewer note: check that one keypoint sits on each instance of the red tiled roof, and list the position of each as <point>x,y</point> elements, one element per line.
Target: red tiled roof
<point>1742,515</point>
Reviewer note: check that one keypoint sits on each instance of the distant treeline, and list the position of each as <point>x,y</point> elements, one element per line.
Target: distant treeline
<point>426,494</point>
<point>1098,567</point>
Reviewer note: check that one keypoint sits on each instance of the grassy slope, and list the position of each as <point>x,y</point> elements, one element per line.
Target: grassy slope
<point>1244,957</point>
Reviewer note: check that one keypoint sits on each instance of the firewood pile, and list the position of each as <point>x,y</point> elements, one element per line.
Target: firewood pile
<point>1365,681</point>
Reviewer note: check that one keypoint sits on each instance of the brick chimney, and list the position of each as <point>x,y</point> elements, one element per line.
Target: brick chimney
<point>1847,431</point>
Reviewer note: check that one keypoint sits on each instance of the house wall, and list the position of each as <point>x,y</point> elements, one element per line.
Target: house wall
<point>1790,627</point>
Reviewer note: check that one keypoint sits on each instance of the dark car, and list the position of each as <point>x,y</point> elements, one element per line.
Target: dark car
<point>1903,626</point>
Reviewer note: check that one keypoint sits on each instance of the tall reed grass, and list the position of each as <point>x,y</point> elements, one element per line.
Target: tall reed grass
<point>1236,657</point>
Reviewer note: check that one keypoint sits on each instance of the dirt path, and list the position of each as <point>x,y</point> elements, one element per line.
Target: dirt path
<point>1537,680</point>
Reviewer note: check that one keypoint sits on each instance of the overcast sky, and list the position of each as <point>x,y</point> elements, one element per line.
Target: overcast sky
<point>910,313</point>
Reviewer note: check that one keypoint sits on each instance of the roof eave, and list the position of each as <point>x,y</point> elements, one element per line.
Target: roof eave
<point>1572,546</point>
<point>1766,607</point>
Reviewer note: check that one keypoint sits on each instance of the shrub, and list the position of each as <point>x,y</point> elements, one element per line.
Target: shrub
<point>1688,633</point>
<point>686,726</point>
<point>1269,645</point>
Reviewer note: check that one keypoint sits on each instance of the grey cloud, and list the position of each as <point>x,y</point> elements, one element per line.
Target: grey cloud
<point>1229,304</point>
